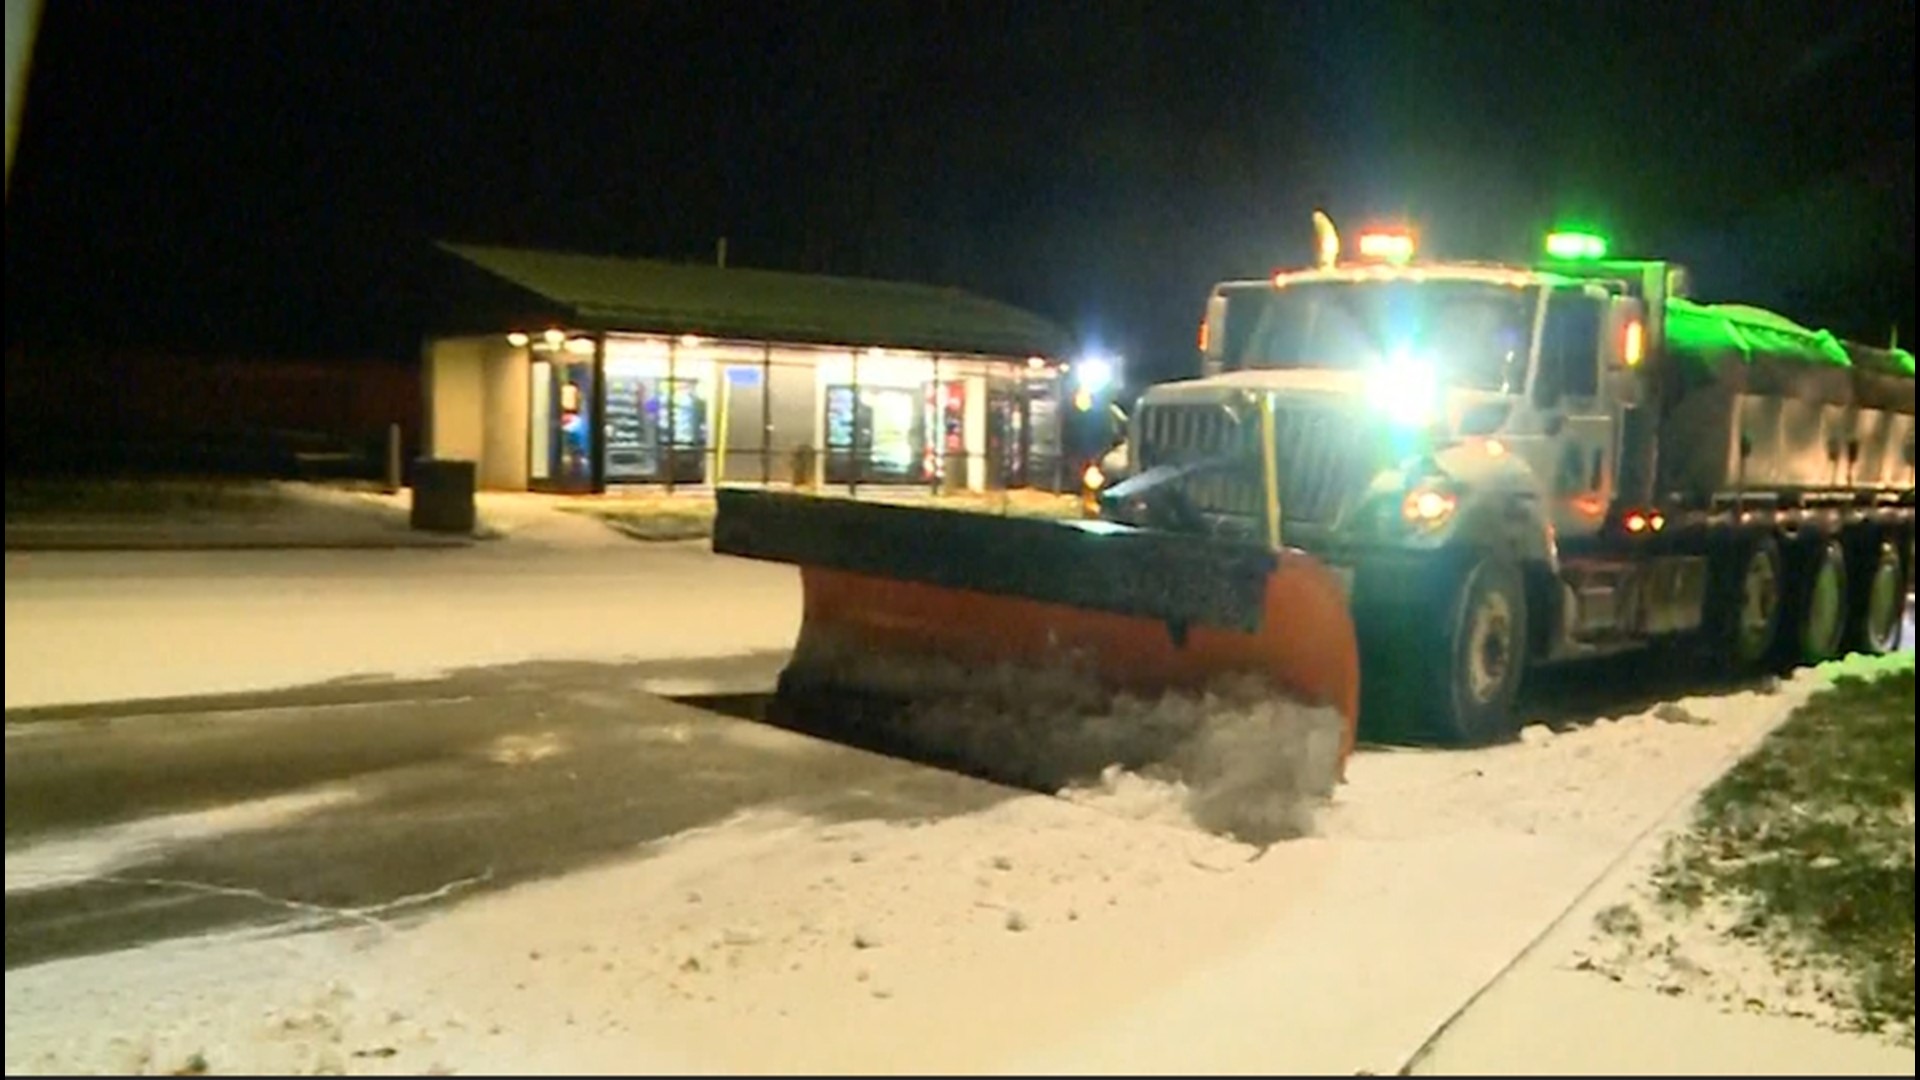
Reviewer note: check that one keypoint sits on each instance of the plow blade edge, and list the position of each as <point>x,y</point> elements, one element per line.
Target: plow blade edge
<point>1143,611</point>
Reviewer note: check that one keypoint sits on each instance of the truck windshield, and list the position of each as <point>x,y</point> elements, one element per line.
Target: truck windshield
<point>1476,332</point>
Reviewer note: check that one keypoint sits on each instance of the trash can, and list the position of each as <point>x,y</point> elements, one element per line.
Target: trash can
<point>443,496</point>
<point>804,466</point>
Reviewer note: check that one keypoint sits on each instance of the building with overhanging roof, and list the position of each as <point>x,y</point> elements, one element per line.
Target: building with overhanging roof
<point>575,373</point>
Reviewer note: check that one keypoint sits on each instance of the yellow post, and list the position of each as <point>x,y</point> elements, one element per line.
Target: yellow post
<point>1269,471</point>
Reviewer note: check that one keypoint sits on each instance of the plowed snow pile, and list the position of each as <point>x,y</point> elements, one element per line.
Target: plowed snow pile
<point>1037,935</point>
<point>1232,760</point>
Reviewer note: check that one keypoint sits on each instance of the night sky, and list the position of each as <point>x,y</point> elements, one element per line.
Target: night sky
<point>267,176</point>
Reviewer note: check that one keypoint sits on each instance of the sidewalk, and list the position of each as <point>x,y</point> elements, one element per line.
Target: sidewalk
<point>1541,1020</point>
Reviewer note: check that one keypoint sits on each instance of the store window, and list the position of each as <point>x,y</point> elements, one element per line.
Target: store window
<point>657,426</point>
<point>875,417</point>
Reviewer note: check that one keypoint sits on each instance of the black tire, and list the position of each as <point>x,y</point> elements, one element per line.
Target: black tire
<point>1877,608</point>
<point>1815,628</point>
<point>1445,665</point>
<point>1745,605</point>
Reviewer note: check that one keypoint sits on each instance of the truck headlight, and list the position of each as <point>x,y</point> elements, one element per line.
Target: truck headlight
<point>1406,390</point>
<point>1091,481</point>
<point>1428,507</point>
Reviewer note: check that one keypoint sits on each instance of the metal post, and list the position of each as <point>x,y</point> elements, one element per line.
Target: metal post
<point>937,437</point>
<point>853,477</point>
<point>766,413</point>
<point>722,410</point>
<point>671,404</point>
<point>597,433</point>
<point>393,459</point>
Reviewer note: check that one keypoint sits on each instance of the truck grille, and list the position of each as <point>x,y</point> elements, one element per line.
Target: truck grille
<point>1322,454</point>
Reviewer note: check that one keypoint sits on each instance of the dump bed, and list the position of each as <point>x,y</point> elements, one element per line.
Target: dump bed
<point>1764,403</point>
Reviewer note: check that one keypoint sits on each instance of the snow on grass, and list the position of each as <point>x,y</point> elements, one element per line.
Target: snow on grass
<point>164,498</point>
<point>1791,891</point>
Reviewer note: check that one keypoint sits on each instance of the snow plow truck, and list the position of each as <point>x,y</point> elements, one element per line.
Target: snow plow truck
<point>1396,487</point>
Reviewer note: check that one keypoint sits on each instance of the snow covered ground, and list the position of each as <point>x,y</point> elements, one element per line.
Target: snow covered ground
<point>1098,934</point>
<point>1034,935</point>
<point>115,626</point>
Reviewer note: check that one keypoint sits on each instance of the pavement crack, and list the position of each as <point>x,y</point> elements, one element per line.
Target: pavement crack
<point>367,915</point>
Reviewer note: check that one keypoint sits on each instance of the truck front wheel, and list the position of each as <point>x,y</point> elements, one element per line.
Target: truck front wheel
<point>1443,648</point>
<point>1472,645</point>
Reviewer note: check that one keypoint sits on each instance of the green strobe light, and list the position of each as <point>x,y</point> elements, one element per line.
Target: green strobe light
<point>1576,246</point>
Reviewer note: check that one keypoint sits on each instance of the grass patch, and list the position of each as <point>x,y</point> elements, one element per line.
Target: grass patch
<point>91,499</point>
<point>1810,840</point>
<point>658,516</point>
<point>651,517</point>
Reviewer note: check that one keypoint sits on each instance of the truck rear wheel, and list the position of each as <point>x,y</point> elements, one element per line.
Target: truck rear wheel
<point>1743,619</point>
<point>1817,607</point>
<point>1879,607</point>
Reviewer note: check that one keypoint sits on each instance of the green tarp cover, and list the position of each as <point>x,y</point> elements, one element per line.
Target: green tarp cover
<point>1705,335</point>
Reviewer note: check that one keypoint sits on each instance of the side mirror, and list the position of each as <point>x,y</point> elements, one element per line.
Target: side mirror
<point>1213,334</point>
<point>1623,349</point>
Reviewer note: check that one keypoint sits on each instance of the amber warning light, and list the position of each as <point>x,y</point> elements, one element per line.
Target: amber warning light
<point>1393,247</point>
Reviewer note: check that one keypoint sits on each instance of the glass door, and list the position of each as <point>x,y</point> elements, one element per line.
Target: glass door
<point>1005,434</point>
<point>561,407</point>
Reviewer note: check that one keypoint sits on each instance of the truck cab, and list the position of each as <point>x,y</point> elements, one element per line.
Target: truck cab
<point>1391,384</point>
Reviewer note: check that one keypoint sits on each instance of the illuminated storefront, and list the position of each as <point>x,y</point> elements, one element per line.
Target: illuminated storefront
<point>572,408</point>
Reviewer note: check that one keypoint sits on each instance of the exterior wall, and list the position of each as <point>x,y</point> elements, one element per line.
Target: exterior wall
<point>457,401</point>
<point>505,392</point>
<point>747,411</point>
<point>477,403</point>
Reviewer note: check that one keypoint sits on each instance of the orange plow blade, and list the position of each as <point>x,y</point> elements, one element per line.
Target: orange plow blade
<point>892,592</point>
<point>1304,646</point>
